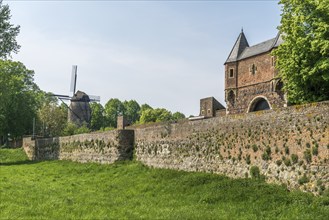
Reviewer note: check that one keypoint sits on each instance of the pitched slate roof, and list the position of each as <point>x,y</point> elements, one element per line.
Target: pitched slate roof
<point>241,49</point>
<point>240,44</point>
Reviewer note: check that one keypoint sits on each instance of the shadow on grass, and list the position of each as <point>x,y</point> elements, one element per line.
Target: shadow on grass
<point>22,162</point>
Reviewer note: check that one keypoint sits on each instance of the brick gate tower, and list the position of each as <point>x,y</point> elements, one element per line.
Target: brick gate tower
<point>251,79</point>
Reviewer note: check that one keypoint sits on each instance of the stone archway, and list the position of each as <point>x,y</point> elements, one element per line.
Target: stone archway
<point>231,97</point>
<point>278,86</point>
<point>259,103</point>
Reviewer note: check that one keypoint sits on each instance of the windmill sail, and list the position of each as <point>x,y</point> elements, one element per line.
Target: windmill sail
<point>74,79</point>
<point>94,98</point>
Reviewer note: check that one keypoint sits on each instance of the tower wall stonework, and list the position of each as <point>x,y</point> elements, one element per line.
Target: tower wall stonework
<point>248,84</point>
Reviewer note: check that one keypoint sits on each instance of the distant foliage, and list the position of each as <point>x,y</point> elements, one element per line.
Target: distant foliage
<point>8,33</point>
<point>155,115</point>
<point>159,115</point>
<point>113,108</point>
<point>131,111</point>
<point>178,116</point>
<point>97,116</point>
<point>303,58</point>
<point>72,129</point>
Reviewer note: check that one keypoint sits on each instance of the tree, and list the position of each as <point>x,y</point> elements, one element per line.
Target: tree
<point>155,115</point>
<point>113,108</point>
<point>131,111</point>
<point>52,118</point>
<point>148,115</point>
<point>97,116</point>
<point>8,33</point>
<point>144,107</point>
<point>303,57</point>
<point>178,115</point>
<point>19,99</point>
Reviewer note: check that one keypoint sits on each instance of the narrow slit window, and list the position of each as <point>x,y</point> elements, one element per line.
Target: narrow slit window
<point>253,69</point>
<point>273,61</point>
<point>231,73</point>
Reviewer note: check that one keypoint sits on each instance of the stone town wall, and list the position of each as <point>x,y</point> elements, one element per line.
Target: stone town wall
<point>29,147</point>
<point>289,146</point>
<point>106,147</point>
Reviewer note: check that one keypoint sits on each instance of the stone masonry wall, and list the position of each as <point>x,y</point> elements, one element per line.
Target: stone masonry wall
<point>288,145</point>
<point>245,95</point>
<point>29,147</point>
<point>106,147</point>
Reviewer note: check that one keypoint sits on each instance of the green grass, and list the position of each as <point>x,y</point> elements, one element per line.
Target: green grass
<point>130,190</point>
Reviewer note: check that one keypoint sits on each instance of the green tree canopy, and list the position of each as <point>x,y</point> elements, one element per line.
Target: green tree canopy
<point>52,119</point>
<point>303,58</point>
<point>8,33</point>
<point>19,99</point>
<point>178,115</point>
<point>144,107</point>
<point>131,110</point>
<point>97,116</point>
<point>113,108</point>
<point>155,115</point>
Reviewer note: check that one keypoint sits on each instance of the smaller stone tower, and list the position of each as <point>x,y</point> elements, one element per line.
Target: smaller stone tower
<point>80,112</point>
<point>209,107</point>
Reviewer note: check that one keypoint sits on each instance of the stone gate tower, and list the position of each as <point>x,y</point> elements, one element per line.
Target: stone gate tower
<point>251,79</point>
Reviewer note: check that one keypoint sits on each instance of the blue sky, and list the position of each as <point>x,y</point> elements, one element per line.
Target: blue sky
<point>165,53</point>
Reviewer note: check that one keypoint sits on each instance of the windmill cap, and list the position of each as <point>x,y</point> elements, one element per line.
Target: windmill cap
<point>80,97</point>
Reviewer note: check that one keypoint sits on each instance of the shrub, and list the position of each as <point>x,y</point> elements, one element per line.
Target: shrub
<point>72,129</point>
<point>248,159</point>
<point>286,150</point>
<point>265,156</point>
<point>255,172</point>
<point>254,147</point>
<point>315,150</point>
<point>294,158</point>
<point>279,162</point>
<point>304,179</point>
<point>308,156</point>
<point>287,162</point>
<point>267,153</point>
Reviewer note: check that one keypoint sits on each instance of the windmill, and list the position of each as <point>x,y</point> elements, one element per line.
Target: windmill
<point>79,111</point>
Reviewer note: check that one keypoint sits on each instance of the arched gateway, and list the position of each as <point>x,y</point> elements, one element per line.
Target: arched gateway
<point>259,103</point>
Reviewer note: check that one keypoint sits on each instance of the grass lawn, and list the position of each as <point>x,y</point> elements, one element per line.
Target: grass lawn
<point>130,190</point>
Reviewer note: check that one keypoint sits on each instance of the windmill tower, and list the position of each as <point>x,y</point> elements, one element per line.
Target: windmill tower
<point>79,111</point>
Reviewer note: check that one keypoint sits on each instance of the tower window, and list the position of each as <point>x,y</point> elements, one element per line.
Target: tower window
<point>231,73</point>
<point>253,69</point>
<point>273,61</point>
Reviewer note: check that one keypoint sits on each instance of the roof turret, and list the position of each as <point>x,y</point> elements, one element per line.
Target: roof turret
<point>239,46</point>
